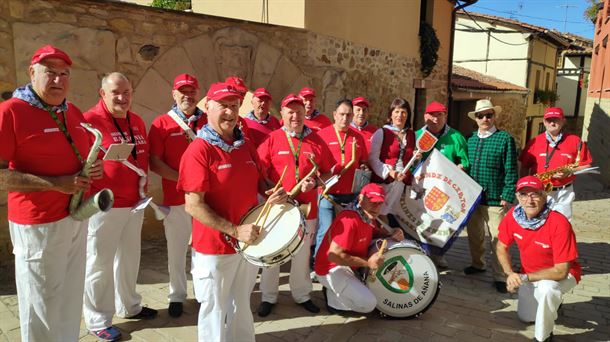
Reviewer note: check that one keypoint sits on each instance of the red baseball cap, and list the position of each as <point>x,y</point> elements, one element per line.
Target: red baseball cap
<point>185,80</point>
<point>237,83</point>
<point>358,101</point>
<point>553,112</point>
<point>290,98</point>
<point>374,192</point>
<point>434,107</point>
<point>307,92</point>
<point>261,93</point>
<point>221,91</point>
<point>530,182</point>
<point>50,51</point>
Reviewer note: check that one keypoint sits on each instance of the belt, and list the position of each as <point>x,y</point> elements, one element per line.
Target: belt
<point>557,188</point>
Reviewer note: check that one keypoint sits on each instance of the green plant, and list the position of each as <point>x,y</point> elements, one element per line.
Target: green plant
<point>179,5</point>
<point>591,12</point>
<point>547,97</point>
<point>428,48</point>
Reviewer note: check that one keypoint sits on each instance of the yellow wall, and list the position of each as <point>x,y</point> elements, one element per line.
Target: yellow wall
<point>278,12</point>
<point>543,56</point>
<point>442,24</point>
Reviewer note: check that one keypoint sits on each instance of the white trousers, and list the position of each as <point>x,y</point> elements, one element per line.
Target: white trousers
<point>299,280</point>
<point>346,292</point>
<point>563,200</point>
<point>539,301</point>
<point>178,226</point>
<point>223,284</point>
<point>113,262</point>
<point>49,274</point>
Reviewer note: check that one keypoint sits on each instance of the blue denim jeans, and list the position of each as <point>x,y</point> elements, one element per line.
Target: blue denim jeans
<point>326,214</point>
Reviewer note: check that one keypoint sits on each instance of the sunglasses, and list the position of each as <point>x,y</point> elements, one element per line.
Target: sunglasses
<point>488,115</point>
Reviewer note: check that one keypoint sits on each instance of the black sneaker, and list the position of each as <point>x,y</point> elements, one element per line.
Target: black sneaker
<point>329,308</point>
<point>500,286</point>
<point>310,306</point>
<point>175,309</point>
<point>473,270</point>
<point>264,309</point>
<point>146,313</point>
<point>548,339</point>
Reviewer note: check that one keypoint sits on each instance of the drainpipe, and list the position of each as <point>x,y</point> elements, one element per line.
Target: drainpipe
<point>465,3</point>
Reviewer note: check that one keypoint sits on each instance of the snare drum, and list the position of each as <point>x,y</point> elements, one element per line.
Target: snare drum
<point>279,238</point>
<point>407,283</point>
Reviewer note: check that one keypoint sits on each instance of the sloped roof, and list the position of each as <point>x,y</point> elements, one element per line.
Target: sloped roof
<point>578,45</point>
<point>463,78</point>
<point>543,32</point>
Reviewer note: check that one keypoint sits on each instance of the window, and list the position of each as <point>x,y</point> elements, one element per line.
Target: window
<point>537,79</point>
<point>547,81</point>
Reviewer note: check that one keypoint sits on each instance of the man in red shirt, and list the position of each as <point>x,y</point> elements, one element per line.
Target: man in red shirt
<point>339,138</point>
<point>552,149</point>
<point>42,147</point>
<point>221,176</point>
<point>259,121</point>
<point>113,243</point>
<point>291,147</point>
<point>313,118</point>
<point>548,254</point>
<point>361,123</point>
<point>168,140</point>
<point>345,248</point>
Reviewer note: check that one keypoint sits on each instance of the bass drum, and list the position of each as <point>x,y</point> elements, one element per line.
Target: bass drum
<point>407,283</point>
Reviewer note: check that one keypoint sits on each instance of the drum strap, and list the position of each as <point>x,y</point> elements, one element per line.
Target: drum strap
<point>64,130</point>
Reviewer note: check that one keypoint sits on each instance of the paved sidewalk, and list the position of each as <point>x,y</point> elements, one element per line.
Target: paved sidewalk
<point>467,309</point>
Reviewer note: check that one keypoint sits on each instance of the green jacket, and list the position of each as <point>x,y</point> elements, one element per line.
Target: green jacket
<point>494,166</point>
<point>452,145</point>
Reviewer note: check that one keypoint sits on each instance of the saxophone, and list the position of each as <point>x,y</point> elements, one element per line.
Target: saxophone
<point>546,176</point>
<point>102,200</point>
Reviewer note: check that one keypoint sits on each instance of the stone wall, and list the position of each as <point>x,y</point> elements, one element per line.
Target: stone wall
<point>151,46</point>
<point>596,132</point>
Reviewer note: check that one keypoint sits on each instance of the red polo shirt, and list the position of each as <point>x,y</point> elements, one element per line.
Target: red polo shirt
<point>366,133</point>
<point>260,131</point>
<point>168,141</point>
<point>329,135</point>
<point>551,244</point>
<point>31,142</point>
<point>350,233</point>
<point>117,177</point>
<point>275,153</point>
<point>229,181</point>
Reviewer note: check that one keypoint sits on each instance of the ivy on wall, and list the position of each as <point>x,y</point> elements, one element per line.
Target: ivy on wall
<point>428,48</point>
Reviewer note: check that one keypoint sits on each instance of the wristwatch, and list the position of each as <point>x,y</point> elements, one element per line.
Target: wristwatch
<point>524,277</point>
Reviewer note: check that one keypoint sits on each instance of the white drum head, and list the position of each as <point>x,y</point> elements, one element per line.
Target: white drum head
<point>407,283</point>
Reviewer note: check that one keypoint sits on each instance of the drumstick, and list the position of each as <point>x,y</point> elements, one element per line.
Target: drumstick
<point>275,188</point>
<point>267,205</point>
<point>384,244</point>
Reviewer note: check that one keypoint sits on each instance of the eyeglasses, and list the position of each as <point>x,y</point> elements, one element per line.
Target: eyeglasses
<point>487,115</point>
<point>532,195</point>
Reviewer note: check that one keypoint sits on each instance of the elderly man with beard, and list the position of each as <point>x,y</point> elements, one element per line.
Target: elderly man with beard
<point>259,121</point>
<point>113,243</point>
<point>42,149</point>
<point>553,149</point>
<point>548,253</point>
<point>170,134</point>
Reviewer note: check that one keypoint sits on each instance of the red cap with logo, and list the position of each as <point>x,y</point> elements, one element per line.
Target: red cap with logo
<point>261,93</point>
<point>374,192</point>
<point>185,80</point>
<point>237,83</point>
<point>553,112</point>
<point>435,107</point>
<point>307,92</point>
<point>290,98</point>
<point>360,101</point>
<point>50,51</point>
<point>530,182</point>
<point>221,91</point>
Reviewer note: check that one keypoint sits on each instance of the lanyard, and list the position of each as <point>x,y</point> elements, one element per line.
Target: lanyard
<point>295,153</point>
<point>549,155</point>
<point>133,139</point>
<point>341,144</point>
<point>64,130</point>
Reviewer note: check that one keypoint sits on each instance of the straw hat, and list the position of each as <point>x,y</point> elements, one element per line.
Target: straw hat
<point>482,105</point>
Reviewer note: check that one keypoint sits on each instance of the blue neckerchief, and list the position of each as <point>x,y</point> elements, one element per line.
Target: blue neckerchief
<point>353,124</point>
<point>198,113</point>
<point>534,223</point>
<point>313,115</point>
<point>253,117</point>
<point>444,131</point>
<point>27,94</point>
<point>355,206</point>
<point>211,136</point>
<point>306,131</point>
<point>552,142</point>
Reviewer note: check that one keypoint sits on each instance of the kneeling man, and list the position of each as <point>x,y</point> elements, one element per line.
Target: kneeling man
<point>345,248</point>
<point>547,248</point>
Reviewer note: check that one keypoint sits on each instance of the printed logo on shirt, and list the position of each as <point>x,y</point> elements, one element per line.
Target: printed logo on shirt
<point>279,153</point>
<point>333,143</point>
<point>224,166</point>
<point>51,130</point>
<point>518,236</point>
<point>569,156</point>
<point>176,134</point>
<point>362,239</point>
<point>251,162</point>
<point>543,245</point>
<point>543,154</point>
